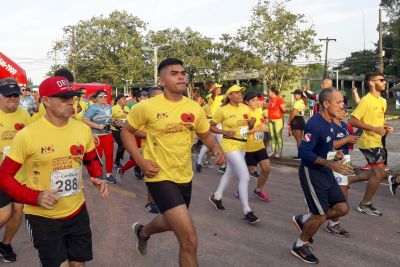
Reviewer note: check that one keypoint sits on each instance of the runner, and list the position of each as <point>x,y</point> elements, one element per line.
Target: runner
<point>13,119</point>
<point>26,101</point>
<point>171,120</point>
<point>119,112</point>
<point>394,182</point>
<point>276,107</point>
<point>234,118</point>
<point>256,152</point>
<point>99,117</point>
<point>369,116</point>
<point>296,121</point>
<point>60,227</point>
<point>325,84</point>
<point>324,198</point>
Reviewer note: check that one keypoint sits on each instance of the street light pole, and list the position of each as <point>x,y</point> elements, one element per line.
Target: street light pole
<point>155,65</point>
<point>155,52</point>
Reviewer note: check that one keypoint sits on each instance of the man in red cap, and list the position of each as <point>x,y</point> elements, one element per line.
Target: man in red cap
<point>55,208</point>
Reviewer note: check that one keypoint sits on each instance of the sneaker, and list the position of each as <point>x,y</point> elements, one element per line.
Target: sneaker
<point>237,194</point>
<point>110,179</point>
<point>222,169</point>
<point>117,165</point>
<point>197,167</point>
<point>392,184</point>
<point>387,168</point>
<point>138,173</point>
<point>297,221</point>
<point>206,164</point>
<point>7,253</point>
<point>336,230</point>
<point>304,253</point>
<point>119,174</point>
<point>368,209</point>
<point>151,207</point>
<point>277,155</point>
<point>296,158</point>
<point>262,195</point>
<point>250,218</point>
<point>366,167</point>
<point>272,154</point>
<point>254,174</point>
<point>217,203</point>
<point>141,244</point>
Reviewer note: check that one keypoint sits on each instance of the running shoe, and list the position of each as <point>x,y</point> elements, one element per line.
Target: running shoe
<point>272,154</point>
<point>119,174</point>
<point>262,195</point>
<point>207,164</point>
<point>237,194</point>
<point>222,169</point>
<point>7,253</point>
<point>366,167</point>
<point>296,158</point>
<point>254,174</point>
<point>297,221</point>
<point>151,207</point>
<point>110,179</point>
<point>368,209</point>
<point>138,173</point>
<point>392,184</point>
<point>277,155</point>
<point>217,203</point>
<point>197,167</point>
<point>250,218</point>
<point>117,165</point>
<point>141,244</point>
<point>337,230</point>
<point>304,253</point>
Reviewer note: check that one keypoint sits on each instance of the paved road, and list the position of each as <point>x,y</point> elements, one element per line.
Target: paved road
<point>224,240</point>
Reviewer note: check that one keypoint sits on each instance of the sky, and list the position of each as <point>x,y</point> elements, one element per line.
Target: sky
<point>28,29</point>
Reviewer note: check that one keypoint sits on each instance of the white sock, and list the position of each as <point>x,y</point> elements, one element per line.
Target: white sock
<point>305,217</point>
<point>332,223</point>
<point>300,243</point>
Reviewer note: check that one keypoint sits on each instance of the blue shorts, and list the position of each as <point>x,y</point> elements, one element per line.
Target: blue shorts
<point>320,189</point>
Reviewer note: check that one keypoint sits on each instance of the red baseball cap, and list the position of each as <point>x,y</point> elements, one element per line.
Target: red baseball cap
<point>57,86</point>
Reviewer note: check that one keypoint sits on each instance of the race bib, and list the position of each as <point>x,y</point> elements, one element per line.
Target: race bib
<point>259,136</point>
<point>67,181</point>
<point>243,132</point>
<point>5,151</point>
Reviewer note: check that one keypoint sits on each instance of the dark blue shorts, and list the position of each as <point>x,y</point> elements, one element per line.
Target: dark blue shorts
<point>320,189</point>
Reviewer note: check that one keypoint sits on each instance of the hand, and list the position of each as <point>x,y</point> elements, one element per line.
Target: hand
<point>339,167</point>
<point>289,131</point>
<point>251,122</point>
<point>352,139</point>
<point>149,168</point>
<point>229,133</point>
<point>219,153</point>
<point>380,130</point>
<point>48,198</point>
<point>305,88</point>
<point>100,126</point>
<point>101,185</point>
<point>389,129</point>
<point>354,90</point>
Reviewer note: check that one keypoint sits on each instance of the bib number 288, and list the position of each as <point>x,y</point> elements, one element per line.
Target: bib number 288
<point>66,181</point>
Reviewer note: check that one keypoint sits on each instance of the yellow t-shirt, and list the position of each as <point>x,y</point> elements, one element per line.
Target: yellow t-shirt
<point>170,128</point>
<point>40,113</point>
<point>10,124</point>
<point>371,111</point>
<point>214,105</point>
<point>84,106</point>
<point>118,113</point>
<point>233,118</point>
<point>53,160</point>
<point>300,106</point>
<point>255,141</point>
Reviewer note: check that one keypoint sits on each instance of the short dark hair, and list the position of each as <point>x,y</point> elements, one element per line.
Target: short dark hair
<point>250,95</point>
<point>119,97</point>
<point>274,90</point>
<point>153,89</point>
<point>66,73</point>
<point>369,75</point>
<point>100,91</point>
<point>168,62</point>
<point>325,95</point>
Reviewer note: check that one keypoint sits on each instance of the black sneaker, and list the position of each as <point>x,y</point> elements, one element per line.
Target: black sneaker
<point>254,174</point>
<point>7,253</point>
<point>141,244</point>
<point>138,173</point>
<point>304,253</point>
<point>151,207</point>
<point>250,218</point>
<point>197,167</point>
<point>297,221</point>
<point>336,230</point>
<point>392,184</point>
<point>110,179</point>
<point>217,203</point>
<point>222,169</point>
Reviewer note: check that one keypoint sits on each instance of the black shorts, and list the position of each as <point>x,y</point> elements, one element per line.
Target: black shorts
<point>4,199</point>
<point>168,194</point>
<point>297,123</point>
<point>374,156</point>
<point>253,158</point>
<point>59,240</point>
<point>320,189</point>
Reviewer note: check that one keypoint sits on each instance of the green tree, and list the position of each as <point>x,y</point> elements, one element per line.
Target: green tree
<point>360,62</point>
<point>279,37</point>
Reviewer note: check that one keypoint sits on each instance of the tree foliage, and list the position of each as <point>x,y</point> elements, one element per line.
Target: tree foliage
<point>360,62</point>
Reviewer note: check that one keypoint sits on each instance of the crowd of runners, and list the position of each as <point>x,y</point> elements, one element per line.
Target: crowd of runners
<point>48,136</point>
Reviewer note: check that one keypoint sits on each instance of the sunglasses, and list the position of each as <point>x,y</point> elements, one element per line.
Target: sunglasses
<point>102,96</point>
<point>63,98</point>
<point>12,95</point>
<point>27,90</point>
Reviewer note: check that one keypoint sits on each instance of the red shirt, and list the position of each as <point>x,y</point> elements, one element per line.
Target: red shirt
<point>274,111</point>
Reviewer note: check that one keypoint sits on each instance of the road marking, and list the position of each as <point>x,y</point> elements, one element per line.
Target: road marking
<point>122,191</point>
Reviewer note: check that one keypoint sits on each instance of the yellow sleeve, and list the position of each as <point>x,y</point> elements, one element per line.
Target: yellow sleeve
<point>202,124</point>
<point>360,110</point>
<point>19,150</point>
<point>137,116</point>
<point>90,145</point>
<point>114,113</point>
<point>218,116</point>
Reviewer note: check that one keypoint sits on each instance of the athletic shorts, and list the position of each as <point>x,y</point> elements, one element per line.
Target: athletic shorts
<point>59,240</point>
<point>253,158</point>
<point>168,194</point>
<point>375,155</point>
<point>297,123</point>
<point>4,199</point>
<point>320,189</point>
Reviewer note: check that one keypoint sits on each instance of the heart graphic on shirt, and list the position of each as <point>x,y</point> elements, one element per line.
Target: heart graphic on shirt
<point>77,150</point>
<point>245,116</point>
<point>19,126</point>
<point>187,117</point>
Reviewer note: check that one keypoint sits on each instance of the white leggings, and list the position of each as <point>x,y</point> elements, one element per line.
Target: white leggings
<point>204,149</point>
<point>236,165</point>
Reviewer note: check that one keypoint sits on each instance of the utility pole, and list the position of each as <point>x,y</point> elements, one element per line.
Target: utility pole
<point>73,50</point>
<point>327,40</point>
<point>380,44</point>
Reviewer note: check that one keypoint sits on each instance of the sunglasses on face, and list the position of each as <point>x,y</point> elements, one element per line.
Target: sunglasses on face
<point>63,98</point>
<point>12,95</point>
<point>102,96</point>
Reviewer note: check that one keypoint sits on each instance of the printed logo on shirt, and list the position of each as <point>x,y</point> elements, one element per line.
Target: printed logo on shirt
<point>187,117</point>
<point>19,126</point>
<point>340,135</point>
<point>245,116</point>
<point>47,149</point>
<point>328,139</point>
<point>307,137</point>
<point>77,150</point>
<point>162,115</point>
